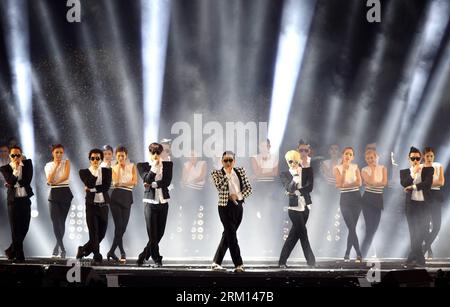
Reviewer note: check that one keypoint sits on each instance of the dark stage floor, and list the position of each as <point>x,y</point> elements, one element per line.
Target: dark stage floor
<point>189,273</point>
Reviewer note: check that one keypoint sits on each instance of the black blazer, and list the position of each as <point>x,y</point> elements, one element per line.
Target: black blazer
<point>427,180</point>
<point>89,180</point>
<point>148,176</point>
<point>11,180</point>
<point>307,186</point>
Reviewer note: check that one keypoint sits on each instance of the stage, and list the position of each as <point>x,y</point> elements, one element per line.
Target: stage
<point>179,274</point>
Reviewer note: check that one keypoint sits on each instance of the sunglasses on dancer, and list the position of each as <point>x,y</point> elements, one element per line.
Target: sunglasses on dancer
<point>228,160</point>
<point>293,162</point>
<point>15,156</point>
<point>415,158</point>
<point>303,150</point>
<point>95,158</point>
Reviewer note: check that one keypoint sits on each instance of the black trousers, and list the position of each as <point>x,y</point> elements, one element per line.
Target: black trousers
<point>350,204</point>
<point>120,211</point>
<point>297,232</point>
<point>58,215</point>
<point>155,219</point>
<point>435,218</point>
<point>97,222</point>
<point>372,204</point>
<point>19,212</point>
<point>231,217</point>
<point>417,216</point>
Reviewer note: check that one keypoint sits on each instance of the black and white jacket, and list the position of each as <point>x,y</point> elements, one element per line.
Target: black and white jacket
<point>307,186</point>
<point>425,185</point>
<point>90,181</point>
<point>11,180</point>
<point>148,177</point>
<point>221,182</point>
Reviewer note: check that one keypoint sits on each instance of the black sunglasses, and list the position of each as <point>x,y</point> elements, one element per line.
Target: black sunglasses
<point>292,162</point>
<point>228,160</point>
<point>15,155</point>
<point>415,158</point>
<point>303,150</point>
<point>95,158</point>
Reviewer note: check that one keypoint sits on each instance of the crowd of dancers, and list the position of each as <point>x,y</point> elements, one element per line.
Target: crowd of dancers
<point>109,187</point>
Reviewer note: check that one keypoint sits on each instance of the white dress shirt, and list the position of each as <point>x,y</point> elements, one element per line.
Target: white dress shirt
<point>234,186</point>
<point>97,173</point>
<point>60,170</point>
<point>159,198</point>
<point>417,178</point>
<point>17,172</point>
<point>297,178</point>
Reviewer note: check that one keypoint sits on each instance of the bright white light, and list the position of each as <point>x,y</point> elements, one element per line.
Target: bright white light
<point>17,45</point>
<point>296,21</point>
<point>34,213</point>
<point>155,18</point>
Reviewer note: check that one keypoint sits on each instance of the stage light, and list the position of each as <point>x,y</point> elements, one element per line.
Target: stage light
<point>17,47</point>
<point>370,74</point>
<point>34,213</point>
<point>416,76</point>
<point>434,94</point>
<point>155,16</point>
<point>295,24</point>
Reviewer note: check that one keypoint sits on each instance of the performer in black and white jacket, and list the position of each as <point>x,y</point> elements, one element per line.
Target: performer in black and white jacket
<point>157,176</point>
<point>233,187</point>
<point>298,183</point>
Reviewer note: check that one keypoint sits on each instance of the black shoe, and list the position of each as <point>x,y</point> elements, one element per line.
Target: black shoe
<point>10,254</point>
<point>55,251</point>
<point>19,260</point>
<point>63,254</point>
<point>141,259</point>
<point>358,259</point>
<point>158,262</point>
<point>123,258</point>
<point>80,252</point>
<point>113,256</point>
<point>283,266</point>
<point>347,258</point>
<point>98,258</point>
<point>430,254</point>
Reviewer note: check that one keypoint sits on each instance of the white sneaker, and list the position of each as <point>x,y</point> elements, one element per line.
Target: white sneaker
<point>239,269</point>
<point>217,267</point>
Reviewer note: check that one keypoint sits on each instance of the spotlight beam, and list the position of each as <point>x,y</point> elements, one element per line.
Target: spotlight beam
<point>295,24</point>
<point>155,17</point>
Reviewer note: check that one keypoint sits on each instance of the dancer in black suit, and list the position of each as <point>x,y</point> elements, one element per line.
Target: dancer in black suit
<point>18,175</point>
<point>298,183</point>
<point>97,181</point>
<point>157,176</point>
<point>417,181</point>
